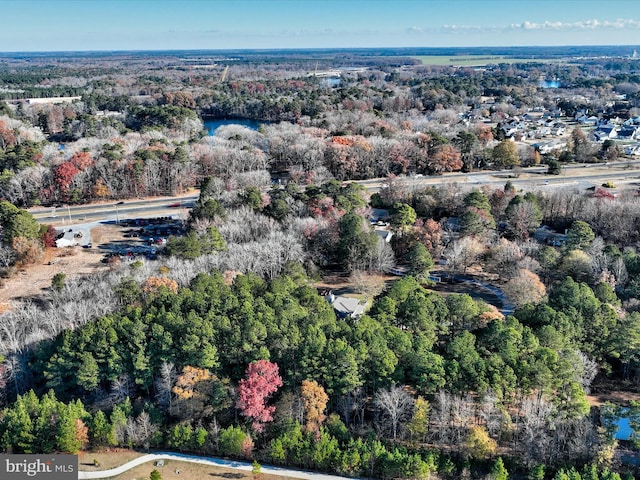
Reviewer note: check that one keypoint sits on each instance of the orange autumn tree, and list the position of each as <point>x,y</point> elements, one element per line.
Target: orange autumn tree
<point>100,190</point>
<point>63,175</point>
<point>82,160</point>
<point>82,432</point>
<point>446,158</point>
<point>314,400</point>
<point>192,393</point>
<point>153,284</point>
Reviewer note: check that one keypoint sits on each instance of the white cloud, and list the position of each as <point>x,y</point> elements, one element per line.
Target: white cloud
<point>450,29</point>
<point>593,24</point>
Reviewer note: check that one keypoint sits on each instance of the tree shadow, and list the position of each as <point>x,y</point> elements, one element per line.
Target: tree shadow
<point>227,475</point>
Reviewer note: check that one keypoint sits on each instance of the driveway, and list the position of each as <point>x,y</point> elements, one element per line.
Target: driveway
<point>212,461</point>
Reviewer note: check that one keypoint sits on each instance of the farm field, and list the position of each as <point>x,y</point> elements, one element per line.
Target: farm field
<point>472,60</point>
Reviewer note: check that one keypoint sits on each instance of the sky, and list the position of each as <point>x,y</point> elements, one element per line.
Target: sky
<point>82,25</point>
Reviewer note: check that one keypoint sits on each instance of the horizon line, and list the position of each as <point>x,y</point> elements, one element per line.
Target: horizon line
<point>292,49</point>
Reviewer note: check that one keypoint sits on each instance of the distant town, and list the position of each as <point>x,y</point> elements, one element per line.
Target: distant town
<point>374,263</point>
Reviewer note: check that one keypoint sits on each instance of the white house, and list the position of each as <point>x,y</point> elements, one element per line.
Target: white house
<point>345,306</point>
<point>547,147</point>
<point>558,129</point>
<point>68,239</point>
<point>604,132</point>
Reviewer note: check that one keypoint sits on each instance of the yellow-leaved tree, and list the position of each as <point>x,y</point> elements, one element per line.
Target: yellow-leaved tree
<point>314,399</point>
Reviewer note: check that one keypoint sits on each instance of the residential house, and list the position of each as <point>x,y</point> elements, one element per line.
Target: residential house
<point>541,132</point>
<point>398,270</point>
<point>633,121</point>
<point>545,234</point>
<point>604,132</point>
<point>558,129</point>
<point>586,120</point>
<point>344,306</point>
<point>384,234</point>
<point>548,147</point>
<point>633,150</point>
<point>628,132</point>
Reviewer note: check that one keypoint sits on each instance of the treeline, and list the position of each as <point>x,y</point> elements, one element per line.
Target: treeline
<point>428,120</point>
<point>513,385</point>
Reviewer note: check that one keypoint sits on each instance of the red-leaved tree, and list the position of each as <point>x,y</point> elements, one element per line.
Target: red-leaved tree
<point>82,160</point>
<point>48,236</point>
<point>262,380</point>
<point>63,175</point>
<point>7,136</point>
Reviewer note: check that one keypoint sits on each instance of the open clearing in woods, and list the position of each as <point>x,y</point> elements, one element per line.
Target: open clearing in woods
<point>32,281</point>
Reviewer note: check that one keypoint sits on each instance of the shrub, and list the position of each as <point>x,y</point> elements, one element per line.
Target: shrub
<point>57,282</point>
<point>232,441</point>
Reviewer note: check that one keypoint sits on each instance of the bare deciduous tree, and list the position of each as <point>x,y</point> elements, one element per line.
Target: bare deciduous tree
<point>164,383</point>
<point>525,288</point>
<point>461,254</point>
<point>368,285</point>
<point>586,370</point>
<point>396,405</point>
<point>504,258</point>
<point>534,434</point>
<point>121,388</point>
<point>491,414</point>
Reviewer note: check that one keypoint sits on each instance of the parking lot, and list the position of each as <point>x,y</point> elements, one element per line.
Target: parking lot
<point>140,238</point>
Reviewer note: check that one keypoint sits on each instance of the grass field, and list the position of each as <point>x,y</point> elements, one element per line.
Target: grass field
<point>471,60</point>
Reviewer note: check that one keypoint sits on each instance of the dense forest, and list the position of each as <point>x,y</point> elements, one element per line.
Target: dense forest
<point>224,345</point>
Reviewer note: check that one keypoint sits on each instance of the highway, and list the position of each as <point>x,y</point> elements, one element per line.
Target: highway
<point>154,207</point>
<point>532,178</point>
<point>622,174</point>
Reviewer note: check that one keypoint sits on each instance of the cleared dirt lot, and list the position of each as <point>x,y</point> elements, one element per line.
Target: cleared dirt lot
<point>34,280</point>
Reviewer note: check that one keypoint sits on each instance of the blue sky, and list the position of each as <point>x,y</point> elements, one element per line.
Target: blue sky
<point>56,25</point>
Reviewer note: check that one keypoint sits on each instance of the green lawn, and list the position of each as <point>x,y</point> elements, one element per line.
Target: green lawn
<point>471,60</point>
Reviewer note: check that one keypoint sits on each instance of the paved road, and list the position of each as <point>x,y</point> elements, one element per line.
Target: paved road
<point>534,178</point>
<point>212,461</point>
<point>68,215</point>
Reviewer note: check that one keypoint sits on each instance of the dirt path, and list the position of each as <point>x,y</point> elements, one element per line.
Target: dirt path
<point>619,398</point>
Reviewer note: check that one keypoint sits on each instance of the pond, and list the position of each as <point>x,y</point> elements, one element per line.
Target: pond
<point>549,83</point>
<point>477,290</point>
<point>624,429</point>
<point>213,124</point>
<point>331,82</point>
